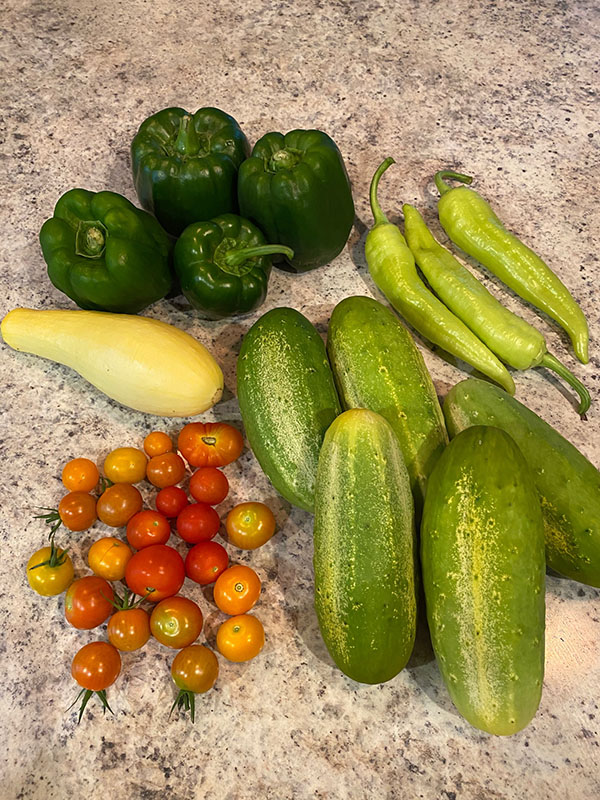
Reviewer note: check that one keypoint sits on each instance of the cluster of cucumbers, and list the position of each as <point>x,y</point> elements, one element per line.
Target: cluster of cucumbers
<point>355,433</point>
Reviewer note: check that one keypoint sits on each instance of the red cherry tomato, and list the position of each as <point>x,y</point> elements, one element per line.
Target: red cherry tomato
<point>209,485</point>
<point>156,572</point>
<point>171,500</point>
<point>176,622</point>
<point>205,561</point>
<point>96,666</point>
<point>88,602</point>
<point>210,444</point>
<point>147,528</point>
<point>197,522</point>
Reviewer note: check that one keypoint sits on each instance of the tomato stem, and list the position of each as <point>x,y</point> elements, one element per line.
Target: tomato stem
<point>209,440</point>
<point>85,695</point>
<point>185,700</point>
<point>52,519</point>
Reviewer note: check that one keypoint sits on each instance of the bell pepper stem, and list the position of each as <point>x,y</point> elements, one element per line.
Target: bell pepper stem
<point>187,142</point>
<point>550,362</point>
<point>378,215</point>
<point>236,257</point>
<point>441,184</point>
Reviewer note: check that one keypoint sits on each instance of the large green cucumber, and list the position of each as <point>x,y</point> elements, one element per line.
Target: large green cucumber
<point>568,484</point>
<point>364,554</point>
<point>482,557</point>
<point>288,399</point>
<point>377,365</point>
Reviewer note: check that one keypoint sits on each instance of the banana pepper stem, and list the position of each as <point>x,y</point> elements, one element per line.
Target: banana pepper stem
<point>236,257</point>
<point>378,215</point>
<point>551,362</point>
<point>442,186</point>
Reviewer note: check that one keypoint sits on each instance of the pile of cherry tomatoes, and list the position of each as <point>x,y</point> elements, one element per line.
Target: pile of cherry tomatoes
<point>153,572</point>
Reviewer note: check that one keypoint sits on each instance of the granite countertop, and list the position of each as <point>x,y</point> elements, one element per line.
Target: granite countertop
<point>506,91</point>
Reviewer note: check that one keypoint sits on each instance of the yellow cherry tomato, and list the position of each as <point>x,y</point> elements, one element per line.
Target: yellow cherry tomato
<point>250,525</point>
<point>241,638</point>
<point>108,558</point>
<point>50,571</point>
<point>125,465</point>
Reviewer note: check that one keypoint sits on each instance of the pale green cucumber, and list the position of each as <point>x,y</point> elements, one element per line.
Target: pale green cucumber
<point>364,554</point>
<point>377,365</point>
<point>288,399</point>
<point>482,559</point>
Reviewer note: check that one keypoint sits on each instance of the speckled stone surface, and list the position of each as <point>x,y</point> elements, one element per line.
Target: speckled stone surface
<point>506,91</point>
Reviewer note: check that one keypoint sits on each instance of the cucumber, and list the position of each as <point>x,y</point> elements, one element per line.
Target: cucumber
<point>482,558</point>
<point>288,399</point>
<point>377,365</point>
<point>364,548</point>
<point>567,483</point>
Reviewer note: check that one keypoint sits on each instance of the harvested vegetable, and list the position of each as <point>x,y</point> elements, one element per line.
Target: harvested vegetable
<point>143,363</point>
<point>106,254</point>
<point>95,667</point>
<point>50,571</point>
<point>240,638</point>
<point>471,224</point>
<point>194,671</point>
<point>296,189</point>
<point>392,267</point>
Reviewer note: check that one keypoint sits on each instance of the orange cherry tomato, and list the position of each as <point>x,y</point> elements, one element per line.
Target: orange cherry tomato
<point>77,511</point>
<point>96,666</point>
<point>240,638</point>
<point>117,504</point>
<point>195,669</point>
<point>108,557</point>
<point>147,528</point>
<point>209,485</point>
<point>237,589</point>
<point>210,444</point>
<point>157,443</point>
<point>129,629</point>
<point>80,475</point>
<point>125,465</point>
<point>250,525</point>
<point>165,470</point>
<point>176,622</point>
<point>88,602</point>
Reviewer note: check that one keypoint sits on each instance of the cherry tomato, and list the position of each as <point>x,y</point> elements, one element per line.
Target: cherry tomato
<point>210,444</point>
<point>240,638</point>
<point>197,522</point>
<point>80,475</point>
<point>209,485</point>
<point>147,528</point>
<point>88,602</point>
<point>156,571</point>
<point>194,671</point>
<point>129,629</point>
<point>166,470</point>
<point>77,511</point>
<point>176,622</point>
<point>237,590</point>
<point>125,465</point>
<point>157,443</point>
<point>96,666</point>
<point>49,571</point>
<point>171,500</point>
<point>108,558</point>
<point>117,504</point>
<point>205,561</point>
<point>250,525</point>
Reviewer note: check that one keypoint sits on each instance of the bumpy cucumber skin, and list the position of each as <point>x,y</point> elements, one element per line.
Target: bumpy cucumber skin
<point>288,399</point>
<point>377,365</point>
<point>482,557</point>
<point>567,483</point>
<point>364,555</point>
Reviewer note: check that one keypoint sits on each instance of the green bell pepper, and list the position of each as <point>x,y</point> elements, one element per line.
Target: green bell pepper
<point>185,165</point>
<point>296,189</point>
<point>104,253</point>
<point>224,265</point>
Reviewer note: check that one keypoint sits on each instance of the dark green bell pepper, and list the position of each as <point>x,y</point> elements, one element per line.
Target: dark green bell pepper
<point>296,189</point>
<point>104,253</point>
<point>185,165</point>
<point>224,265</point>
